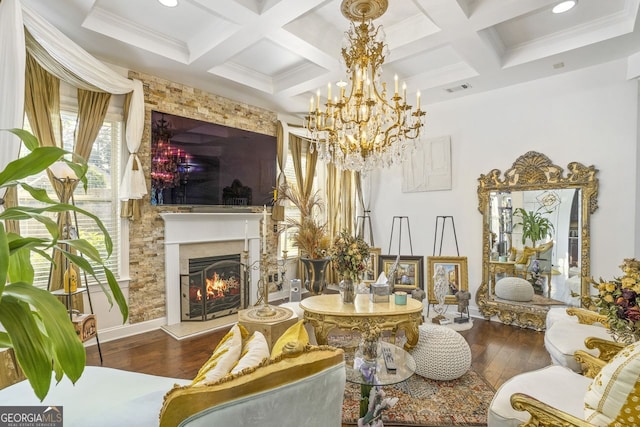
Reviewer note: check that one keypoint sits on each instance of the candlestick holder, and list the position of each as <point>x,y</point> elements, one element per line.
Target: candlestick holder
<point>266,268</point>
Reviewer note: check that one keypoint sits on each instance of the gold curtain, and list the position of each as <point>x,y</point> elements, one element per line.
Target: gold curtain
<point>299,146</point>
<point>341,204</point>
<point>277,212</point>
<point>42,105</point>
<point>131,208</point>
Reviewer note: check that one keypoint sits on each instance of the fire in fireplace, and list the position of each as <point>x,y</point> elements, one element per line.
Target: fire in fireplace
<point>215,287</point>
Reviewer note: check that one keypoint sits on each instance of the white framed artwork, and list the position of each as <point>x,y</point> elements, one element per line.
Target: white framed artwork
<point>429,166</point>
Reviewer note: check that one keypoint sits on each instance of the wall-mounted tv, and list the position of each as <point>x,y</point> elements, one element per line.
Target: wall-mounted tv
<point>199,163</point>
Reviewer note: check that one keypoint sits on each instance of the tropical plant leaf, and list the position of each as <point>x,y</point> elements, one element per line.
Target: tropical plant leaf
<point>31,164</point>
<point>20,268</point>
<point>27,342</point>
<point>28,139</point>
<point>5,341</point>
<point>59,330</point>
<point>21,213</point>
<point>117,294</point>
<point>4,258</point>
<point>86,248</point>
<point>38,193</point>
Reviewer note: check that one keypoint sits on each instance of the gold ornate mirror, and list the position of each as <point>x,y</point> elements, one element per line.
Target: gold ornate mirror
<point>535,227</point>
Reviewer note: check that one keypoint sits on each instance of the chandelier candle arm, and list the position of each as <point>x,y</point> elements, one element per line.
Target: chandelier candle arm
<point>363,130</point>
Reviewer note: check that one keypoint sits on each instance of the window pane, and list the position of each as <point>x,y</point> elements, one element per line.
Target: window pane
<point>100,199</point>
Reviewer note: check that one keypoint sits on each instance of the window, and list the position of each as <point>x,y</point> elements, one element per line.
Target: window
<point>101,197</point>
<point>290,210</point>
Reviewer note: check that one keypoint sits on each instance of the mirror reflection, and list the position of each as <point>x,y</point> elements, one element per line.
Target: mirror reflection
<point>534,236</point>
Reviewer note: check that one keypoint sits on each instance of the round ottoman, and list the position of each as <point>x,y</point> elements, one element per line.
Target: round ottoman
<point>441,353</point>
<point>514,289</point>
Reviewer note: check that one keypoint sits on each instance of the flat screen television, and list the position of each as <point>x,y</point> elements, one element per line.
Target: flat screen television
<point>199,163</point>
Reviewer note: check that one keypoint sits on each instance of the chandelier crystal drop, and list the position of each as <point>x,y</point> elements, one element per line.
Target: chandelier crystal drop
<point>360,128</point>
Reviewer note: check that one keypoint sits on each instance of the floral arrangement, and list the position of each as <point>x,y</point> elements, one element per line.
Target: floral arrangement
<point>619,301</point>
<point>377,403</point>
<point>349,255</point>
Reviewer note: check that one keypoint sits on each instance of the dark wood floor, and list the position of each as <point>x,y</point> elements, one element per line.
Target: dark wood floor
<point>498,352</point>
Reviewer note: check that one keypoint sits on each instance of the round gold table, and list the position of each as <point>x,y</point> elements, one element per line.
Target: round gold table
<point>325,312</point>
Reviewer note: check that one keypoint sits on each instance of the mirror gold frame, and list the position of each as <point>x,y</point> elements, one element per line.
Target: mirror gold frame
<point>534,171</point>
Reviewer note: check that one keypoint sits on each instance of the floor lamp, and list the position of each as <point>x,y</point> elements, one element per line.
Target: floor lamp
<point>85,325</point>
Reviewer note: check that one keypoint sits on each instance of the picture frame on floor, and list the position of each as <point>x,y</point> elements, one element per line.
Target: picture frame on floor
<point>409,274</point>
<point>455,268</point>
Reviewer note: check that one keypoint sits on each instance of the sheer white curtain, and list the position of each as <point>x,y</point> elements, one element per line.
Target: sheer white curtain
<point>12,69</point>
<point>63,58</point>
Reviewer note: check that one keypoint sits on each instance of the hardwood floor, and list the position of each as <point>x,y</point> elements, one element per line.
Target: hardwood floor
<point>498,352</point>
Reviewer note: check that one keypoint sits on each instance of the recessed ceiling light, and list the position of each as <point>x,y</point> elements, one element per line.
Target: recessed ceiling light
<point>564,6</point>
<point>169,3</point>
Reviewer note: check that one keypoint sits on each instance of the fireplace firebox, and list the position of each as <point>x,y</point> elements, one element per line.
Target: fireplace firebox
<point>215,287</point>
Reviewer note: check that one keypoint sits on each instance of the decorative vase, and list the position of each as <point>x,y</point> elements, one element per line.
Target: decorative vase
<point>315,274</point>
<point>370,348</point>
<point>348,291</point>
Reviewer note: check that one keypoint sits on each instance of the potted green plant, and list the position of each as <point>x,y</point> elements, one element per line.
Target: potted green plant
<point>535,226</point>
<point>309,235</point>
<point>37,324</point>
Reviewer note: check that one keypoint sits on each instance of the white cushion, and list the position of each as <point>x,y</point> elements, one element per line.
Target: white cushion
<point>564,337</point>
<point>441,353</point>
<point>254,350</point>
<point>224,357</point>
<point>514,289</point>
<point>612,395</point>
<point>554,385</point>
<point>558,313</point>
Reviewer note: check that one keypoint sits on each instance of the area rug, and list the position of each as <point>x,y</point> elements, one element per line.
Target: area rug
<point>429,403</point>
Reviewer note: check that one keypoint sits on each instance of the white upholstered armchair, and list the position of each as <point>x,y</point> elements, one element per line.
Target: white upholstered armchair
<point>557,396</point>
<point>567,330</point>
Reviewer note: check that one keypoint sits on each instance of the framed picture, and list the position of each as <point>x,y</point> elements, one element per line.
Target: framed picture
<point>455,270</point>
<point>409,274</point>
<point>371,273</point>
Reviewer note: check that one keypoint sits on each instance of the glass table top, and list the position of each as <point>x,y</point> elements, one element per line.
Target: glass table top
<point>359,372</point>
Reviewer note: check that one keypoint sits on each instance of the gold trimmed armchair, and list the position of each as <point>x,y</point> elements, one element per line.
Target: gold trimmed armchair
<point>567,330</point>
<point>556,396</point>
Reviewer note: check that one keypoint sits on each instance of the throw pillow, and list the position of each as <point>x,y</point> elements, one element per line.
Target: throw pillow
<point>296,334</point>
<point>612,398</point>
<point>225,355</point>
<point>254,350</point>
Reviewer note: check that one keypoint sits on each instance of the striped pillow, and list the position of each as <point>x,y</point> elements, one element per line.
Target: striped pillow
<point>613,398</point>
<point>224,357</point>
<point>254,350</point>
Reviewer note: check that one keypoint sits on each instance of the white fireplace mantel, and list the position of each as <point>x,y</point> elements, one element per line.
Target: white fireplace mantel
<point>188,228</point>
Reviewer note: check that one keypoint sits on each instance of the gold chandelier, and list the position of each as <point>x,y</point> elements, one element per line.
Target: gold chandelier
<point>360,129</point>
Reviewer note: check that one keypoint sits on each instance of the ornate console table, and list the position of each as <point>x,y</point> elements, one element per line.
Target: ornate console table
<point>325,312</point>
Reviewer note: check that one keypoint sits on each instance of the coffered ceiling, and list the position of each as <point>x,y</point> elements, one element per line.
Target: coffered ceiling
<point>277,53</point>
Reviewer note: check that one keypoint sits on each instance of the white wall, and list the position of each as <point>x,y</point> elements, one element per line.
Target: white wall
<point>588,116</point>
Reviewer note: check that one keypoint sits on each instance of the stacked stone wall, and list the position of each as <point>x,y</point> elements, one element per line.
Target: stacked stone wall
<point>146,235</point>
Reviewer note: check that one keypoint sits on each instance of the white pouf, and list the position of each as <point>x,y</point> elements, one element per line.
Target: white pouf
<point>514,289</point>
<point>441,353</point>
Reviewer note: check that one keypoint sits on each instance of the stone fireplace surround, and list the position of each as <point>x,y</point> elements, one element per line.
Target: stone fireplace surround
<point>185,231</point>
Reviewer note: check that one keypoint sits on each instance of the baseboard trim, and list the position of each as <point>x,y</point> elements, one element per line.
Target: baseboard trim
<point>123,331</point>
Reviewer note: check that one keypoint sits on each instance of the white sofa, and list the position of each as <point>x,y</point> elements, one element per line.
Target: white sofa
<point>282,393</point>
